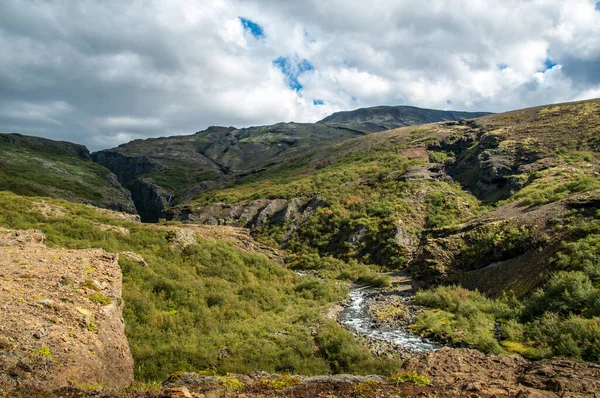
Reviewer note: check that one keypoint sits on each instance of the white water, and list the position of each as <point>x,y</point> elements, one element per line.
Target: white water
<point>356,318</point>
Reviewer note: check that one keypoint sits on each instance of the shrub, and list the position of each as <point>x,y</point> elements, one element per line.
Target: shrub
<point>100,299</point>
<point>571,337</point>
<point>411,377</point>
<point>345,355</point>
<point>43,351</point>
<point>374,280</point>
<point>232,383</point>
<point>566,292</point>
<point>463,316</point>
<point>582,255</point>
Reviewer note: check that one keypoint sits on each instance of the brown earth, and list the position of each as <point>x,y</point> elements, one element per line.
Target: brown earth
<point>61,317</point>
<point>457,372</point>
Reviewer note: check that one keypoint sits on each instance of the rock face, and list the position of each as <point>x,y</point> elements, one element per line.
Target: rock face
<point>510,246</point>
<point>452,372</point>
<point>166,171</point>
<point>380,118</point>
<point>36,166</point>
<point>486,161</point>
<point>470,371</point>
<point>149,199</point>
<point>61,317</point>
<point>256,214</point>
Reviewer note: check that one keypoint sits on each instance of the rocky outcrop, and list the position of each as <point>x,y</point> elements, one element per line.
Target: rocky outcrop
<point>256,215</point>
<point>150,199</point>
<point>452,373</point>
<point>510,246</point>
<point>445,373</point>
<point>487,162</point>
<point>61,317</point>
<point>470,372</point>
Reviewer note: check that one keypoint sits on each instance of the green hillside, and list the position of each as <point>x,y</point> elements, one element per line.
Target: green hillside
<point>206,304</point>
<point>507,204</point>
<point>496,219</point>
<point>169,171</point>
<point>35,166</point>
<point>383,195</point>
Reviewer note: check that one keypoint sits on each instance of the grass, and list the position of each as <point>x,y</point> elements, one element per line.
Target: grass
<point>561,319</point>
<point>43,351</point>
<point>410,377</point>
<point>100,299</point>
<point>44,170</point>
<point>208,306</point>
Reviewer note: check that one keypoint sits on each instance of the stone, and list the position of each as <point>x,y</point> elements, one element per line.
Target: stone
<point>176,392</point>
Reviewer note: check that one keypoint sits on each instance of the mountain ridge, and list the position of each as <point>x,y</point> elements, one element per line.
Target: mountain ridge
<point>383,117</point>
<point>220,155</point>
<point>71,173</point>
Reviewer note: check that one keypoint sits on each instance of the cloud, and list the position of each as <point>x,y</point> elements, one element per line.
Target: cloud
<point>104,72</point>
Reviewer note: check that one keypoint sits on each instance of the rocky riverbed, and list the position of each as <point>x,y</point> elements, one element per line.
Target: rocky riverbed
<point>381,318</point>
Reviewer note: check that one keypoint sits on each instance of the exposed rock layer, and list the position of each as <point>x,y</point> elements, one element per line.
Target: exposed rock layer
<point>61,317</point>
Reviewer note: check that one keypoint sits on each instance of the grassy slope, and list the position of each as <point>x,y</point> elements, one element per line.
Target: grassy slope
<point>533,224</point>
<point>208,306</point>
<point>37,167</point>
<point>218,155</point>
<point>550,153</point>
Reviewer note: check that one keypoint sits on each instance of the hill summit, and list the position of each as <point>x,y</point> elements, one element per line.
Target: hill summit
<point>380,118</point>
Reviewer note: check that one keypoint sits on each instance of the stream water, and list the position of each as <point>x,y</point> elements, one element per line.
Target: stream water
<point>356,317</point>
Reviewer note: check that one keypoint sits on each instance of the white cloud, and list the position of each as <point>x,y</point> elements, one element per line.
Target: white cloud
<point>105,72</point>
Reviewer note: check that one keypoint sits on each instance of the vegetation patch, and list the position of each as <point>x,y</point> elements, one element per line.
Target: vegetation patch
<point>208,306</point>
<point>232,383</point>
<point>411,377</point>
<point>43,351</point>
<point>281,382</point>
<point>100,299</point>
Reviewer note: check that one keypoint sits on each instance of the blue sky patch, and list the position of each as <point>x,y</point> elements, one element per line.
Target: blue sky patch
<point>250,26</point>
<point>549,64</point>
<point>448,102</point>
<point>598,6</point>
<point>292,68</point>
<point>318,102</point>
<point>502,66</point>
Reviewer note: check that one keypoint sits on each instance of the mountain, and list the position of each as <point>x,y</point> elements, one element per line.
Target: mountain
<point>36,166</point>
<point>481,233</point>
<point>380,118</point>
<point>163,172</point>
<point>470,201</point>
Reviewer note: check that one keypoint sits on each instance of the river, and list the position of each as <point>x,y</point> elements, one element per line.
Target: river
<point>356,317</point>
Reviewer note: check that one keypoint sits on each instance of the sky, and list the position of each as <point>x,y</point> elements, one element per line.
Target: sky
<point>102,73</point>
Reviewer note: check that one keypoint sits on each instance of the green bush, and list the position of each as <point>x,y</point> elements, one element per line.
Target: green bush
<point>209,306</point>
<point>565,293</point>
<point>582,255</point>
<point>412,377</point>
<point>344,355</point>
<point>571,337</point>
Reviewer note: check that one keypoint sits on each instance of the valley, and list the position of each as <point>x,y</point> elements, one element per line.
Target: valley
<point>458,255</point>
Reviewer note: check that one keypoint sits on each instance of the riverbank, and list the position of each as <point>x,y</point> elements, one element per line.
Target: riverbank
<point>380,318</point>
